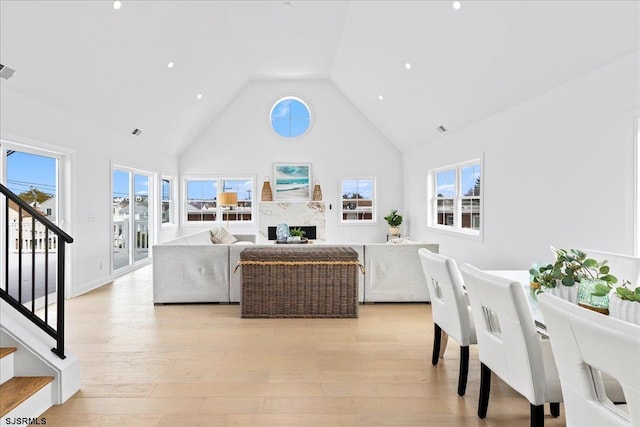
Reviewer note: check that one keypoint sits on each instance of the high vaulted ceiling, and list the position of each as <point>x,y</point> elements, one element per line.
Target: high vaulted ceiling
<point>110,66</point>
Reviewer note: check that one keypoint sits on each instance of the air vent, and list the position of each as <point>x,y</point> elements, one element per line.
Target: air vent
<point>6,72</point>
<point>136,132</point>
<point>441,129</point>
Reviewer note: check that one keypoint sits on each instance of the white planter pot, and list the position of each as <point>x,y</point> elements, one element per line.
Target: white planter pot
<point>623,309</point>
<point>567,293</point>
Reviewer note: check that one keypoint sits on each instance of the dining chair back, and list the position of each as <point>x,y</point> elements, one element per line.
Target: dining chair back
<point>449,307</point>
<point>587,345</point>
<point>624,267</point>
<point>509,344</point>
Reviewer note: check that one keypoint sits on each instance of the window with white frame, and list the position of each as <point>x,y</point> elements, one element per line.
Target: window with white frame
<point>455,197</point>
<point>358,200</point>
<point>203,196</point>
<point>166,200</point>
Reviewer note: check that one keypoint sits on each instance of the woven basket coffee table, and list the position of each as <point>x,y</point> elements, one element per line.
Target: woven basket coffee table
<point>299,282</point>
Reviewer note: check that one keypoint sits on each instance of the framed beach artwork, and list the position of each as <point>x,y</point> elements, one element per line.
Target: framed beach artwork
<point>292,181</point>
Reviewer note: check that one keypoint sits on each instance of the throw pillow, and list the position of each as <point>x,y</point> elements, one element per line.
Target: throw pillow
<point>221,236</point>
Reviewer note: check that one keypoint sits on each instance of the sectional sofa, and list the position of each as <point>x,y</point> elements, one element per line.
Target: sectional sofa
<point>191,269</point>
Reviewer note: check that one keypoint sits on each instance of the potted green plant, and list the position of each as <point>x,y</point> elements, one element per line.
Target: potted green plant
<point>394,220</point>
<point>571,266</point>
<point>296,233</point>
<point>624,302</point>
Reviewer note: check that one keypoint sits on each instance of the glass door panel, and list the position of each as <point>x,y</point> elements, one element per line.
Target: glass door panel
<point>141,217</point>
<point>34,178</point>
<point>121,215</point>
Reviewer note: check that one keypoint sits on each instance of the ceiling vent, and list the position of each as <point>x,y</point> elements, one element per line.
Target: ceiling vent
<point>441,129</point>
<point>6,72</point>
<point>136,132</point>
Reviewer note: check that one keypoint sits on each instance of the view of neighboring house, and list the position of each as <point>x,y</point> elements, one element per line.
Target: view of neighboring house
<point>26,226</point>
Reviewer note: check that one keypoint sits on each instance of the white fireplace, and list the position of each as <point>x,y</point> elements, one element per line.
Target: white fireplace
<point>295,214</point>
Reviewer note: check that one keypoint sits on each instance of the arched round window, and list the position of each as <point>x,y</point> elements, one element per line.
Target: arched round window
<point>290,117</point>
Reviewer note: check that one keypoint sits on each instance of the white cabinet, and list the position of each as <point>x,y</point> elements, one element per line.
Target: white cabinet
<point>394,272</point>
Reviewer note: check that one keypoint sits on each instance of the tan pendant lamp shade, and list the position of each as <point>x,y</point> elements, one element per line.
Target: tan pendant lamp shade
<point>267,195</point>
<point>317,192</point>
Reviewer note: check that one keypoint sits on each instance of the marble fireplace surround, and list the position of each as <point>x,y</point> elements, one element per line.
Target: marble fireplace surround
<point>298,214</point>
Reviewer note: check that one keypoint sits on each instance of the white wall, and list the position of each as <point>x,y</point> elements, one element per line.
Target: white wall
<point>342,143</point>
<point>92,149</point>
<point>558,170</point>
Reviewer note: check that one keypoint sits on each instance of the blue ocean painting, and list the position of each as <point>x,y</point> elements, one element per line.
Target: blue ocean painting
<point>292,181</point>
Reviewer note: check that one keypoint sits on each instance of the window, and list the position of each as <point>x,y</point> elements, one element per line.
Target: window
<point>455,198</point>
<point>358,200</point>
<point>290,117</point>
<point>166,198</point>
<point>201,201</point>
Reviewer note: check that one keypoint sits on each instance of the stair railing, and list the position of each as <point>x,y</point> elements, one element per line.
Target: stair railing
<point>49,237</point>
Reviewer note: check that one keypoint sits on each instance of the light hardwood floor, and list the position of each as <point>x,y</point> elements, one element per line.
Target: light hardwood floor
<point>202,365</point>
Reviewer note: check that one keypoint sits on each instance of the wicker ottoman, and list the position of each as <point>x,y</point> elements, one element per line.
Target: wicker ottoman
<point>299,282</point>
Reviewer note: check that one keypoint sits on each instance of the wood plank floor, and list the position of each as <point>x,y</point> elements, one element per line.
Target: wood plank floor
<point>202,365</point>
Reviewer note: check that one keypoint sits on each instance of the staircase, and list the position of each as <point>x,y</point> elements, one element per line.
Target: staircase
<point>21,397</point>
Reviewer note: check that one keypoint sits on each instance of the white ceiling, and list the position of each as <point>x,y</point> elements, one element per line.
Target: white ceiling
<point>110,66</point>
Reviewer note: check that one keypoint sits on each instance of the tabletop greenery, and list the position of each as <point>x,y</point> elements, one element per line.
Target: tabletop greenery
<point>624,291</point>
<point>570,267</point>
<point>297,232</point>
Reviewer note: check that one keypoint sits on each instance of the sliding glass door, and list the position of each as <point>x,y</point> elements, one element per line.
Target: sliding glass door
<point>131,215</point>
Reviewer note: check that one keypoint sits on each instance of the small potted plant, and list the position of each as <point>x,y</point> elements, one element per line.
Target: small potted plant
<point>296,233</point>
<point>624,302</point>
<point>572,266</point>
<point>394,220</point>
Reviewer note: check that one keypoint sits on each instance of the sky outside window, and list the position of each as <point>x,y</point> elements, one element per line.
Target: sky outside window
<point>26,170</point>
<point>290,117</point>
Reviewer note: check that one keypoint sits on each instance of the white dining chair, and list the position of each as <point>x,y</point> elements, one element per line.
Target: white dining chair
<point>587,345</point>
<point>624,267</point>
<point>449,308</point>
<point>509,344</point>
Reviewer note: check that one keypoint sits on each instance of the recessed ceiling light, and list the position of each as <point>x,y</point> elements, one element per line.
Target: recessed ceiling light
<point>407,65</point>
<point>457,5</point>
<point>199,96</point>
<point>117,4</point>
<point>170,64</point>
<point>380,97</point>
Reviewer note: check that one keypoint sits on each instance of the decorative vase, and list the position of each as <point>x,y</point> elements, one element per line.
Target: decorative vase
<point>394,231</point>
<point>267,195</point>
<point>282,232</point>
<point>622,309</point>
<point>317,192</point>
<point>586,288</point>
<point>567,293</point>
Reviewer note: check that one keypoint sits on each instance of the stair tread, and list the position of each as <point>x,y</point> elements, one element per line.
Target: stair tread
<point>18,389</point>
<point>5,351</point>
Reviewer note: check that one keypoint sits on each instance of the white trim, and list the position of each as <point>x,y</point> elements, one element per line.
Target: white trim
<point>298,98</point>
<point>173,197</point>
<point>636,184</point>
<point>64,188</point>
<point>152,219</point>
<point>374,200</point>
<point>221,177</point>
<point>430,186</point>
